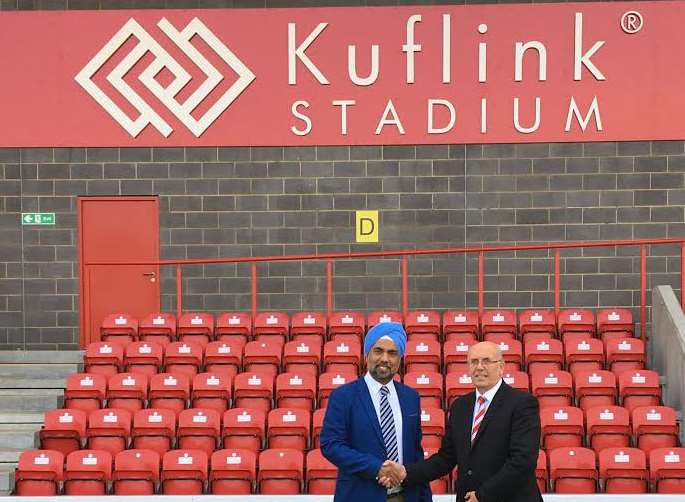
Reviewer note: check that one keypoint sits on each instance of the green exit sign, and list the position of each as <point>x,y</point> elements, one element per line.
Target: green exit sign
<point>37,218</point>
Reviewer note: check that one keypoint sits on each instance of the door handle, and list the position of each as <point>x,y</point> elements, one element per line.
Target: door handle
<point>151,275</point>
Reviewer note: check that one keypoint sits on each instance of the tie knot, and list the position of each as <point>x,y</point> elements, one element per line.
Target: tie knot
<point>481,400</point>
<point>384,390</point>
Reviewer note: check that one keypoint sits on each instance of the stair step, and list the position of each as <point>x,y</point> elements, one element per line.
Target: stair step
<point>40,357</point>
<point>9,458</point>
<point>46,399</point>
<point>32,383</point>
<point>38,371</point>
<point>18,437</point>
<point>8,417</point>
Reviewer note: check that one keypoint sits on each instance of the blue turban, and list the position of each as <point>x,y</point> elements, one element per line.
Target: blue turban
<point>393,330</point>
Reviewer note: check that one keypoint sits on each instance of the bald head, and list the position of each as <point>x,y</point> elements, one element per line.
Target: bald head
<point>486,365</point>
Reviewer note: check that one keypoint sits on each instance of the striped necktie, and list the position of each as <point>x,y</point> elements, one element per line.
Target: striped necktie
<point>478,418</point>
<point>388,426</point>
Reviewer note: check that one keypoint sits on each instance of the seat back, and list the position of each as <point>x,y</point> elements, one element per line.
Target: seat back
<point>429,385</point>
<point>576,320</point>
<point>233,326</point>
<point>196,327</point>
<point>272,324</point>
<point>144,357</point>
<point>87,472</point>
<point>136,472</point>
<point>561,427</point>
<point>573,470</point>
<point>380,316</point>
<point>537,321</point>
<point>423,322</point>
<point>232,472</point>
<point>183,357</point>
<point>552,387</point>
<point>244,428</point>
<point>158,327</point>
<point>321,474</point>
<point>461,321</point>
<point>109,429</point>
<point>595,388</point>
<point>225,356</point>
<point>63,430</point>
<point>623,470</point>
<point>39,473</point>
<point>607,426</point>
<point>169,391</point>
<point>517,379</point>
<point>211,390</point>
<point>199,429</point>
<point>154,429</point>
<point>308,323</point>
<point>346,323</point>
<point>253,390</point>
<point>288,428</point>
<point>184,472</point>
<point>296,390</point>
<point>119,327</point>
<point>330,380</point>
<point>667,469</point>
<point>104,358</point>
<point>499,321</point>
<point>127,391</point>
<point>342,356</point>
<point>422,355</point>
<point>654,427</point>
<point>280,471</point>
<point>85,391</point>
<point>303,356</point>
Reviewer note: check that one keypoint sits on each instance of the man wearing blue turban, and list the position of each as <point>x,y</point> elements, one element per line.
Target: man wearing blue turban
<point>373,420</point>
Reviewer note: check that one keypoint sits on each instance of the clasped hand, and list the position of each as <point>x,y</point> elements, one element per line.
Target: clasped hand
<point>391,474</point>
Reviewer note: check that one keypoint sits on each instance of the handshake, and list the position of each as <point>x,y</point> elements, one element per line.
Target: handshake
<point>391,474</point>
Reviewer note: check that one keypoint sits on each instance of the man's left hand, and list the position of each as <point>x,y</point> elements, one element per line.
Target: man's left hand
<point>471,497</point>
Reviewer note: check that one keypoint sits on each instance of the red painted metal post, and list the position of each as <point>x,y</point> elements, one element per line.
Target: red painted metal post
<point>254,291</point>
<point>405,288</point>
<point>556,282</point>
<point>329,288</point>
<point>643,293</point>
<point>481,281</point>
<point>179,291</point>
<point>682,277</point>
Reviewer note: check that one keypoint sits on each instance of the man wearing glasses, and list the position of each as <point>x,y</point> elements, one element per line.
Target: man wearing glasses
<point>492,435</point>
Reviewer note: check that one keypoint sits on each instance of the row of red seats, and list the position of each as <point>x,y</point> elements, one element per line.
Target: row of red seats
<point>202,327</point>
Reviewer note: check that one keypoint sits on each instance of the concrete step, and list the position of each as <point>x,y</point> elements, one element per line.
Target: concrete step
<point>45,399</point>
<point>40,357</point>
<point>7,417</point>
<point>32,383</point>
<point>9,458</point>
<point>6,482</point>
<point>18,437</point>
<point>38,371</point>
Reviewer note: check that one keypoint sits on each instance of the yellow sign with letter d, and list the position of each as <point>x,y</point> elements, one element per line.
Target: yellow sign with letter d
<point>367,226</point>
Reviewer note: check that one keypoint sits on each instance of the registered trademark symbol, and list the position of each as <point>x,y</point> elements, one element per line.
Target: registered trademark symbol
<point>631,22</point>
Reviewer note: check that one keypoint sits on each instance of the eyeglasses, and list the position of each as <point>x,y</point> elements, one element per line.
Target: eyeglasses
<point>474,363</point>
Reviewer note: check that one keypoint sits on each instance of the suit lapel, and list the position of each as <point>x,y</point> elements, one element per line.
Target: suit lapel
<point>367,405</point>
<point>468,419</point>
<point>496,401</point>
<point>403,408</point>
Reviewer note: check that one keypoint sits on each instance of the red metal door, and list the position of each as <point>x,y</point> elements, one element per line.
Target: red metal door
<point>114,231</point>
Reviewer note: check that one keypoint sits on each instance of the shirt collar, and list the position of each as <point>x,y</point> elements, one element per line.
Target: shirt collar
<point>375,386</point>
<point>490,394</point>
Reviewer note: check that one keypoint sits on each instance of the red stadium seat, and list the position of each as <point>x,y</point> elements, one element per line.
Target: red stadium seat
<point>196,327</point>
<point>584,353</point>
<point>625,354</point>
<point>295,390</point>
<point>456,352</point>
<point>271,326</point>
<point>422,356</point>
<point>541,474</point>
<point>233,327</point>
<point>184,472</point>
<point>576,321</point>
<point>144,357</point>
<point>346,326</point>
<point>280,472</point>
<point>438,486</point>
<point>103,358</point>
<point>573,470</point>
<point>517,379</point>
<point>342,356</point>
<point>667,470</point>
<point>121,328</point>
<point>211,390</point>
<point>561,427</point>
<point>498,321</point>
<point>302,356</point>
<point>199,429</point>
<point>654,427</point>
<point>321,474</point>
<point>317,425</point>
<point>552,388</point>
<point>153,429</point>
<point>224,356</point>
<point>456,385</point>
<point>63,430</point>
<point>546,355</point>
<point>39,473</point>
<point>423,324</point>
<point>136,472</point>
<point>432,427</point>
<point>158,327</point>
<point>233,471</point>
<point>288,428</point>
<point>623,470</point>
<point>308,326</point>
<point>85,391</point>
<point>87,472</point>
<point>127,391</point>
<point>595,388</point>
<point>460,322</point>
<point>263,356</point>
<point>169,391</point>
<point>109,429</point>
<point>328,381</point>
<point>537,322</point>
<point>615,323</point>
<point>639,388</point>
<point>244,429</point>
<point>429,386</point>
<point>183,358</point>
<point>607,427</point>
<point>380,316</point>
<point>253,390</point>
<point>512,353</point>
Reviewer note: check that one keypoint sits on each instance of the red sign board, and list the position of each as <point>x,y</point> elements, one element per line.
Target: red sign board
<point>359,75</point>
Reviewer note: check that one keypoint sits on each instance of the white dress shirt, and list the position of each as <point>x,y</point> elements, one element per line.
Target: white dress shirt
<point>375,391</point>
<point>488,395</point>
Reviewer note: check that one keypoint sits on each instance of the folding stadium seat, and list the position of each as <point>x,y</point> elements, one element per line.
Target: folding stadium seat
<point>184,472</point>
<point>512,353</point>
<point>429,386</point>
<point>84,391</point>
<point>280,472</point>
<point>272,326</point>
<point>153,429</point>
<point>144,357</point>
<point>573,470</point>
<point>253,390</point>
<point>183,358</point>
<point>541,474</point>
<point>321,474</point>
<point>103,358</point>
<point>498,322</point>
<point>456,352</point>
<point>87,472</point>
<point>639,388</point>
<point>294,390</point>
<point>332,380</point>
<point>623,470</point>
<point>63,430</point>
<point>302,356</point>
<point>595,388</point>
<point>308,326</point>
<point>667,470</point>
<point>423,324</point>
<point>615,323</point>
<point>625,354</point>
<point>224,356</point>
<point>196,327</point>
<point>288,428</point>
<point>422,356</point>
<point>517,380</point>
<point>211,390</point>
<point>460,322</point>
<point>158,327</point>
<point>244,428</point>
<point>39,473</point>
<point>576,321</point>
<point>552,388</point>
<point>263,356</point>
<point>109,430</point>
<point>342,356</point>
<point>456,385</point>
<point>584,353</point>
<point>169,391</point>
<point>546,355</point>
<point>136,472</point>
<point>317,425</point>
<point>561,427</point>
<point>379,316</point>
<point>199,429</point>
<point>232,472</point>
<point>121,328</point>
<point>233,327</point>
<point>346,326</point>
<point>432,427</point>
<point>541,323</point>
<point>607,427</point>
<point>438,486</point>
<point>654,427</point>
<point>127,391</point>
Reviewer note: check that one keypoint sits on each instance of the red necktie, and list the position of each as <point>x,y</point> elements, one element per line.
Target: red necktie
<point>478,418</point>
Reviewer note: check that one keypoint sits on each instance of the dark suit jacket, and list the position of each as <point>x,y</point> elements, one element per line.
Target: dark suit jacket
<point>500,466</point>
<point>351,439</point>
